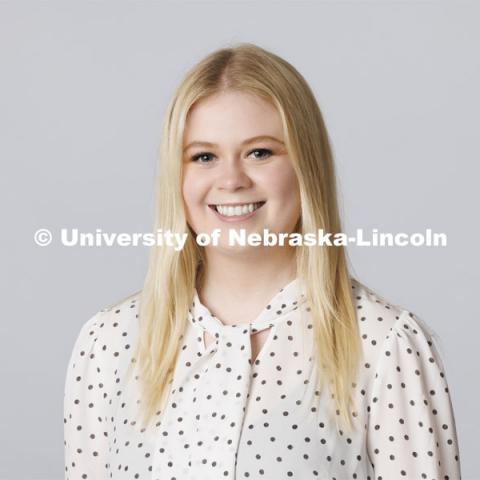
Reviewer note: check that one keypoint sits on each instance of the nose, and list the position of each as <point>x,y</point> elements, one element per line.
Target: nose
<point>232,175</point>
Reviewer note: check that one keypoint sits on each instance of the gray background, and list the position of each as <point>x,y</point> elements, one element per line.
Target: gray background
<point>83,88</point>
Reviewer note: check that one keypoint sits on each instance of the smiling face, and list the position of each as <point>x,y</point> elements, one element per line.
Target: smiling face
<point>230,181</point>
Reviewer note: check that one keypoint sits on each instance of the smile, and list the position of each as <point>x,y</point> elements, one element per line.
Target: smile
<point>238,211</point>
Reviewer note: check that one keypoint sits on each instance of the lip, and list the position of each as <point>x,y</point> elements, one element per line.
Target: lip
<point>235,219</point>
<point>235,203</point>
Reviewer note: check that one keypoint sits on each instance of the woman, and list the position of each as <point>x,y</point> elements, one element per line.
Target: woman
<point>253,361</point>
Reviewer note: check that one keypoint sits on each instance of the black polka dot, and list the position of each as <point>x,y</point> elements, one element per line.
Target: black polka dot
<point>244,401</point>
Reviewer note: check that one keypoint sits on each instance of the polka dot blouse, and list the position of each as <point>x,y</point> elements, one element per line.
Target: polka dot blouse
<point>228,417</point>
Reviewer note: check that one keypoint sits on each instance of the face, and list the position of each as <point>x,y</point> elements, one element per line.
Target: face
<point>231,179</point>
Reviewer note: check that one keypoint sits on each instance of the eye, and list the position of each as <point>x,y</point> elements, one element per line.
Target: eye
<point>268,152</point>
<point>203,157</point>
<point>198,156</point>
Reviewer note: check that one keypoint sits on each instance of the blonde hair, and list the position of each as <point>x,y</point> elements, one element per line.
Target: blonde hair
<point>171,276</point>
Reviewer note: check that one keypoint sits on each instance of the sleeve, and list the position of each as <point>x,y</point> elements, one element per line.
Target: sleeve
<point>411,432</point>
<point>85,408</point>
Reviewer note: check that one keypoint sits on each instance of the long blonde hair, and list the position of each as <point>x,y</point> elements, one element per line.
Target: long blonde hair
<point>171,276</point>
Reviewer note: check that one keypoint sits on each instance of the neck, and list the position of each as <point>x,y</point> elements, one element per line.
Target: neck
<point>252,275</point>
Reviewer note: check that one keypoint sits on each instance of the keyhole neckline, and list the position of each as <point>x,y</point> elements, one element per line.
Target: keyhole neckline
<point>287,299</point>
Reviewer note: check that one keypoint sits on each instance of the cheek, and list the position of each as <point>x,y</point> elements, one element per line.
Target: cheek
<point>282,186</point>
<point>284,193</point>
<point>192,190</point>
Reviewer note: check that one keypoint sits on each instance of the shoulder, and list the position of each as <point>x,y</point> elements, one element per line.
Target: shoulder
<point>382,322</point>
<point>119,320</point>
<point>125,302</point>
<point>375,314</point>
<point>125,308</point>
<point>109,333</point>
<point>101,354</point>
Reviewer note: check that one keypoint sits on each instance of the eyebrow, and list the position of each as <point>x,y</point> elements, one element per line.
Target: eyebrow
<point>197,143</point>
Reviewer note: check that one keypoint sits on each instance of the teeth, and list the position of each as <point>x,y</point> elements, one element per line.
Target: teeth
<point>231,211</point>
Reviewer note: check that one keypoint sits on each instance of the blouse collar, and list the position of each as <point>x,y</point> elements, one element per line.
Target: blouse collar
<point>287,299</point>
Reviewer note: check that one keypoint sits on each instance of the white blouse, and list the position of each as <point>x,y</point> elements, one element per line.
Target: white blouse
<point>229,418</point>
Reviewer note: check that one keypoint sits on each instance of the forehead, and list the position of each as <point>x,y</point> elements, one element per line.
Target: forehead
<point>232,115</point>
